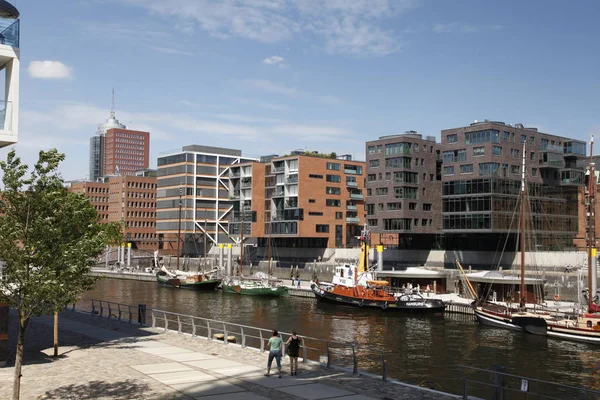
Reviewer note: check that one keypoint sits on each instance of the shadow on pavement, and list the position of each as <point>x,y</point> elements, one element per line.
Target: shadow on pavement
<point>128,389</point>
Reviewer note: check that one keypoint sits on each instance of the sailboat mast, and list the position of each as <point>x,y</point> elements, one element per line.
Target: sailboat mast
<point>242,240</point>
<point>522,301</point>
<point>269,251</point>
<point>179,226</point>
<point>591,223</point>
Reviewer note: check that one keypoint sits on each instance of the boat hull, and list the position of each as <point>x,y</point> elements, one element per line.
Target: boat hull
<point>495,320</point>
<point>209,284</point>
<point>259,291</point>
<point>420,306</point>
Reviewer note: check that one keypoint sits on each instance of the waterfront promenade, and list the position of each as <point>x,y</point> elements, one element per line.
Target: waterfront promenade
<point>108,359</point>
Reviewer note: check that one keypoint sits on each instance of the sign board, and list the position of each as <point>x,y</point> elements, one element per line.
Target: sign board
<point>524,385</point>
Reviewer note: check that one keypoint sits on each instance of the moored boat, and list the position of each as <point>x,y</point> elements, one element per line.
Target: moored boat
<point>196,281</point>
<point>357,286</point>
<point>254,287</point>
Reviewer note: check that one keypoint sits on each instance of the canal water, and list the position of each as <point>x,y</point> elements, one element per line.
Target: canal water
<point>420,350</point>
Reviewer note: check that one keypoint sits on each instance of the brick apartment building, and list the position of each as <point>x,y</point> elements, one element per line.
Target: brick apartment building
<point>403,190</point>
<point>129,200</point>
<point>481,178</point>
<point>303,200</point>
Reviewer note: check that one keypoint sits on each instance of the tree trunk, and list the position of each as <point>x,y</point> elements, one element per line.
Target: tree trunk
<point>19,358</point>
<point>55,333</point>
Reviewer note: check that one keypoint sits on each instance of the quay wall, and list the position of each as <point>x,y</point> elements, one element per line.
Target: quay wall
<point>136,276</point>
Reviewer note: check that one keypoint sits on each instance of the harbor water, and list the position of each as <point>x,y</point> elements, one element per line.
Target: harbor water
<point>419,350</point>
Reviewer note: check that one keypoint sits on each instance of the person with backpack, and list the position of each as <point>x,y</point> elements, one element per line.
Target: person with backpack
<point>293,343</point>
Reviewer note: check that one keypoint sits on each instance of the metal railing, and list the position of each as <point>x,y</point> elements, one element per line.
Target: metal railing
<point>9,34</point>
<point>463,380</point>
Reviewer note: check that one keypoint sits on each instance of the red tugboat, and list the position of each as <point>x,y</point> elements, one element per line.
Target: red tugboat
<point>356,285</point>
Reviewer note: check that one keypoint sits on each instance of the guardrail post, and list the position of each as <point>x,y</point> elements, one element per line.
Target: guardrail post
<point>109,310</point>
<point>193,327</point>
<point>101,309</point>
<point>328,356</point>
<point>225,341</point>
<point>153,320</point>
<point>208,330</point>
<point>304,351</point>
<point>384,367</point>
<point>141,315</point>
<point>497,378</point>
<point>119,306</point>
<point>130,313</point>
<point>178,324</point>
<point>262,342</point>
<point>463,383</point>
<point>166,321</point>
<point>243,338</point>
<point>93,308</point>
<point>355,362</point>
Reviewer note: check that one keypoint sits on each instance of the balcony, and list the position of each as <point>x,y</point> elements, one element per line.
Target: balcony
<point>557,164</point>
<point>292,180</point>
<point>351,184</point>
<point>276,170</point>
<point>357,196</point>
<point>278,193</point>
<point>234,196</point>
<point>234,174</point>
<point>352,220</point>
<point>350,171</point>
<point>9,31</point>
<point>350,207</point>
<point>291,204</point>
<point>246,183</point>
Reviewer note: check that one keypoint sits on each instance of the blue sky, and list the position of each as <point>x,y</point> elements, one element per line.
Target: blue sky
<point>268,76</point>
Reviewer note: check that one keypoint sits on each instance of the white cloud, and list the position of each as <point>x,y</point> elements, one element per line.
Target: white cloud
<point>74,123</point>
<point>457,27</point>
<point>331,100</point>
<point>272,87</point>
<point>273,60</point>
<point>170,50</point>
<point>49,70</point>
<point>258,103</point>
<point>345,27</point>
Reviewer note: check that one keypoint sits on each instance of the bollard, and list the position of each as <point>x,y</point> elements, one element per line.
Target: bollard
<point>142,314</point>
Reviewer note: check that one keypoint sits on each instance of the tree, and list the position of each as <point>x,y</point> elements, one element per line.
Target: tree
<point>49,238</point>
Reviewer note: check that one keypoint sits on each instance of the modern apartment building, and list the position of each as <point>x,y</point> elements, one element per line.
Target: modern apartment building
<point>403,190</point>
<point>116,150</point>
<point>97,193</point>
<point>193,198</point>
<point>10,54</point>
<point>481,179</point>
<point>132,202</point>
<point>302,200</point>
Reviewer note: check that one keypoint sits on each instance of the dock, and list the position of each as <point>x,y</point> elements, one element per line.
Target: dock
<point>115,360</point>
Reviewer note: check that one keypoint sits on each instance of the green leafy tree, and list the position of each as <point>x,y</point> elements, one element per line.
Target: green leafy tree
<point>49,238</point>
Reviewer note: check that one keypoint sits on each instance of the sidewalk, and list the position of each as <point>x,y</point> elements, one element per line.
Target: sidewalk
<point>103,359</point>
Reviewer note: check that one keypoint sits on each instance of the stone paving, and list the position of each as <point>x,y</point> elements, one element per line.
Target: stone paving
<point>107,359</point>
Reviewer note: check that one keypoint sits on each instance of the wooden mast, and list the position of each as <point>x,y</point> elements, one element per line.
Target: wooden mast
<point>242,240</point>
<point>269,251</point>
<point>523,296</point>
<point>591,223</point>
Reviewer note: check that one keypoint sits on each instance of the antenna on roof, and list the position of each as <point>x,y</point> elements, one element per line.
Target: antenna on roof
<point>112,108</point>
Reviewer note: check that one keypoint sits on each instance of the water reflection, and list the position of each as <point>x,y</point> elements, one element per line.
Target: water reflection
<point>416,348</point>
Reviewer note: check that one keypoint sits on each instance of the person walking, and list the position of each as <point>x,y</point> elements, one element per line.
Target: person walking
<point>293,344</point>
<point>275,349</point>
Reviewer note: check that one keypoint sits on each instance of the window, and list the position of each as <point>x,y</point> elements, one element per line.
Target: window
<point>398,148</point>
<point>532,140</point>
<point>478,151</point>
<point>339,215</point>
<point>488,168</point>
<point>333,203</point>
<point>533,171</point>
<point>452,138</point>
<point>515,169</point>
<point>371,177</point>
<point>497,150</point>
<point>397,224</point>
<point>370,209</point>
<point>426,207</point>
<point>486,136</point>
<point>544,144</point>
<point>315,176</point>
<point>333,190</point>
<point>379,148</point>
<point>388,176</point>
<point>315,213</point>
<point>381,191</point>
<point>311,200</point>
<point>506,136</point>
<point>394,206</point>
<point>398,162</point>
<point>449,170</point>
<point>333,178</point>
<point>523,138</point>
<point>334,166</point>
<point>379,206</point>
<point>532,156</point>
<point>466,169</point>
<point>405,192</point>
<point>371,149</point>
<point>412,206</point>
<point>374,163</point>
<point>372,222</point>
<point>416,222</point>
<point>514,153</point>
<point>322,228</point>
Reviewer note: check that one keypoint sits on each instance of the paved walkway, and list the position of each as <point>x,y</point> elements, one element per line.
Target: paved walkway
<point>103,359</point>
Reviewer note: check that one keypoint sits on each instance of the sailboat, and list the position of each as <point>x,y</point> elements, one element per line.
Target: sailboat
<point>185,280</point>
<point>357,285</point>
<point>253,286</point>
<point>579,326</point>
